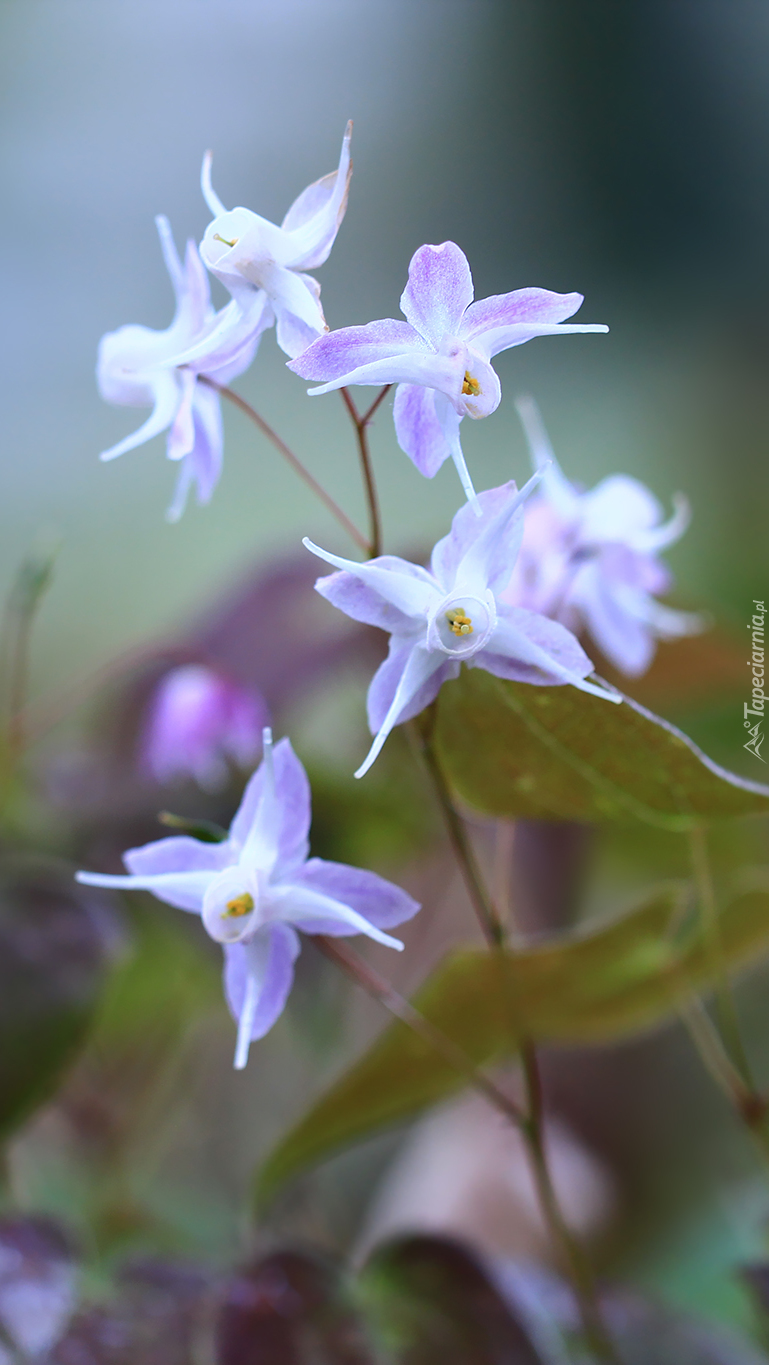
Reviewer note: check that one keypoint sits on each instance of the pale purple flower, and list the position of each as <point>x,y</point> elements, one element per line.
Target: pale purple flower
<point>197,722</point>
<point>135,367</point>
<point>440,357</point>
<point>453,613</point>
<point>590,559</point>
<point>263,265</point>
<point>258,887</point>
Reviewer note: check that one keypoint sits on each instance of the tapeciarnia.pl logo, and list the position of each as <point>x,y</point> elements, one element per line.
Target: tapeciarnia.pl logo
<point>755,707</point>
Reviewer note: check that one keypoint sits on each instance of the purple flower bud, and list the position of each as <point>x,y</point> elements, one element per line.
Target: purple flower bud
<point>197,722</point>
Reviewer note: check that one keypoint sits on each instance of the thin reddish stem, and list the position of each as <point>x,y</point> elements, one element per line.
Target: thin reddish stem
<point>296,464</point>
<point>360,421</point>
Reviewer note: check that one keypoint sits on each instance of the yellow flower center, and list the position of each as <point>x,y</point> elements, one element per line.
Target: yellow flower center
<point>459,622</point>
<point>234,242</point>
<point>241,905</point>
<point>471,385</point>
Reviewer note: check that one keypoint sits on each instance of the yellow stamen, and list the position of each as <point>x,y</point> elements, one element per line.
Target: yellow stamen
<point>234,241</point>
<point>241,905</point>
<point>459,622</point>
<point>471,385</point>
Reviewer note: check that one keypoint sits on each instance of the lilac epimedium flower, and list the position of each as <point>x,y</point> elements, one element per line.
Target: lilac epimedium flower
<point>590,559</point>
<point>197,720</point>
<point>263,264</point>
<point>440,357</point>
<point>258,887</point>
<point>452,613</point>
<point>134,368</point>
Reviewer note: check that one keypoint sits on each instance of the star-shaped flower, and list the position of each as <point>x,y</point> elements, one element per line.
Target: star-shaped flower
<point>263,265</point>
<point>135,367</point>
<point>258,887</point>
<point>440,357</point>
<point>590,559</point>
<point>453,613</point>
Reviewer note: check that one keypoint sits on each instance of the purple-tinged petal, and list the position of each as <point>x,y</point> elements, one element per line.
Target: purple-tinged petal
<point>621,635</point>
<point>357,599</point>
<point>203,465</point>
<point>165,388</point>
<point>224,339</point>
<point>525,639</point>
<point>177,853</point>
<point>466,527</point>
<point>381,902</point>
<point>292,793</point>
<point>658,537</point>
<point>556,487</point>
<point>184,890</point>
<point>445,373</point>
<point>206,454</point>
<point>349,349</point>
<point>258,977</point>
<point>439,289</point>
<point>171,256</point>
<point>184,482</point>
<point>384,684</point>
<point>417,668</point>
<point>616,509</point>
<point>314,912</point>
<point>407,586</point>
<point>181,437</point>
<point>488,559</point>
<point>490,343</point>
<point>419,433</point>
<point>295,333</point>
<point>313,220</point>
<point>234,359</point>
<point>519,306</point>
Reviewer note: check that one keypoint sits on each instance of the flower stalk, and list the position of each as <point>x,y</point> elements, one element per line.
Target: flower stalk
<point>361,421</point>
<point>296,464</point>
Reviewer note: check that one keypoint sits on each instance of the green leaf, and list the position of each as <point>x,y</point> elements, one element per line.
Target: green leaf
<point>434,1301</point>
<point>54,946</point>
<point>517,751</point>
<point>588,986</point>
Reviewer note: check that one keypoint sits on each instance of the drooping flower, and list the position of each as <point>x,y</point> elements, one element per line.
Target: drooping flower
<point>590,559</point>
<point>197,720</point>
<point>258,888</point>
<point>263,265</point>
<point>453,613</point>
<point>440,357</point>
<point>135,368</point>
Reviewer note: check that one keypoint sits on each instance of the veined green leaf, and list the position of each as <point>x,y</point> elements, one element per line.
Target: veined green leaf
<point>517,751</point>
<point>588,986</point>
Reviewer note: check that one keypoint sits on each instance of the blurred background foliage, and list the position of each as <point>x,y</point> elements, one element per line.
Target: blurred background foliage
<point>622,150</point>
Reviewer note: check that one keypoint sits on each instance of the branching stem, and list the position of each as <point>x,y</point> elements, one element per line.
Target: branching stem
<point>381,989</point>
<point>296,464</point>
<point>361,421</point>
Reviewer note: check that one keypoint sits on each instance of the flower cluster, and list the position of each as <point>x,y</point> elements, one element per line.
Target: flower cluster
<point>518,578</point>
<point>591,559</point>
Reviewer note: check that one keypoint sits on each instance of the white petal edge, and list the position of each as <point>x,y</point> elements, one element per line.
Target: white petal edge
<point>209,193</point>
